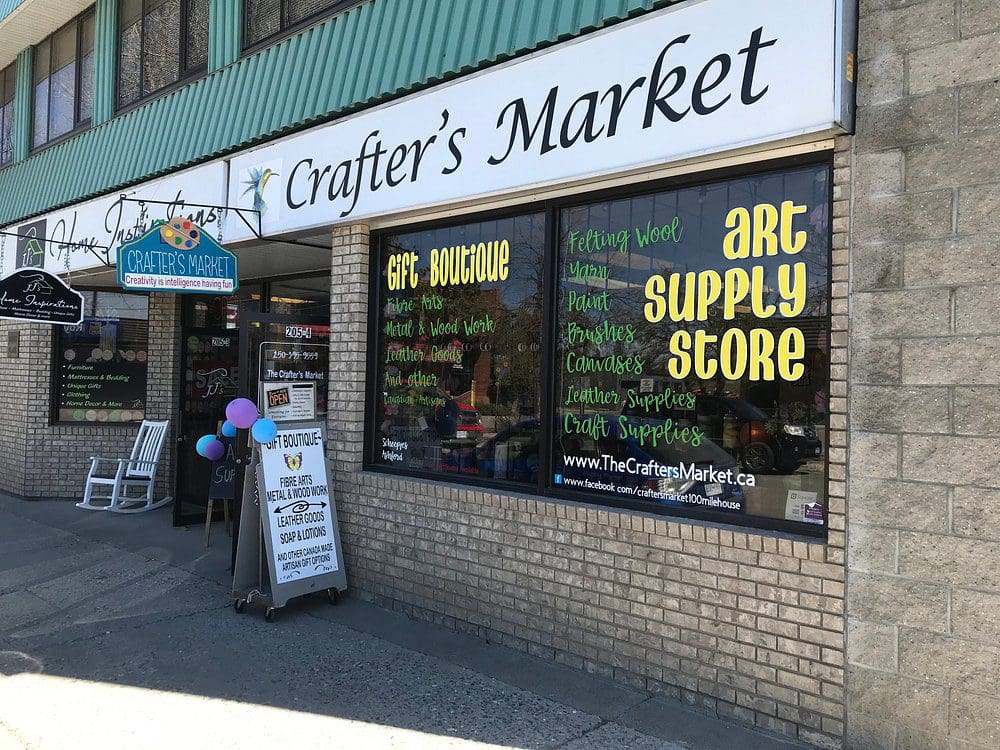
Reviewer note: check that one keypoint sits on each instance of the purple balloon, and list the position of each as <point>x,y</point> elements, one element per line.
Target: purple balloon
<point>242,412</point>
<point>215,450</point>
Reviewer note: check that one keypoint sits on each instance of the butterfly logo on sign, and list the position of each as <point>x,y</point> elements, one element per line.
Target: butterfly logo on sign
<point>294,462</point>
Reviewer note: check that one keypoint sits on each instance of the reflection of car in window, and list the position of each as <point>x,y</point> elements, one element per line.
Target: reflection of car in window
<point>512,454</point>
<point>762,444</point>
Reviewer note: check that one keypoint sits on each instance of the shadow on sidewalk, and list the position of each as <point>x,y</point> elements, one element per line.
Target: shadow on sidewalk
<point>120,627</point>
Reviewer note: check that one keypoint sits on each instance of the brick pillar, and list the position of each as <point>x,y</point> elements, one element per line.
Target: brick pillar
<point>348,347</point>
<point>16,371</point>
<point>163,379</point>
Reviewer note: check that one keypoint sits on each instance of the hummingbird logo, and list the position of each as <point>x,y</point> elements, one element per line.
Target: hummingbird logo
<point>255,184</point>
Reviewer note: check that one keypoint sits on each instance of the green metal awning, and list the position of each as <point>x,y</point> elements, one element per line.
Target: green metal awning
<point>373,52</point>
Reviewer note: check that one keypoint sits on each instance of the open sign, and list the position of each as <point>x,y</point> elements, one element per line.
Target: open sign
<point>279,397</point>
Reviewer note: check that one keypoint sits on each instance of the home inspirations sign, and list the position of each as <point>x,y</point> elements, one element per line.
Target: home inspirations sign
<point>694,79</point>
<point>37,296</point>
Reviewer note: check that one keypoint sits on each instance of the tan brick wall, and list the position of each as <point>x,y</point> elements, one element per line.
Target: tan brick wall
<point>41,460</point>
<point>745,625</point>
<point>924,549</point>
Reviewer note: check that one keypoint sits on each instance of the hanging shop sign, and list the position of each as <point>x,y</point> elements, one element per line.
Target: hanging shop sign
<point>84,236</point>
<point>177,256</point>
<point>698,78</point>
<point>37,296</point>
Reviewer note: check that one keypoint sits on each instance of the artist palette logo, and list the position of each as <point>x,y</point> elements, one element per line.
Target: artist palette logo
<point>294,462</point>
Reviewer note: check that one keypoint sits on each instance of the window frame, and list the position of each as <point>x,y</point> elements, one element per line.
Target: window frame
<point>79,125</point>
<point>13,103</point>
<point>549,335</point>
<point>185,74</point>
<point>54,420</point>
<point>283,32</point>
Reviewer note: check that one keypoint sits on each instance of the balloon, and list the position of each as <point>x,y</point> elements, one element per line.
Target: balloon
<point>228,429</point>
<point>203,443</point>
<point>242,413</point>
<point>264,430</point>
<point>215,450</point>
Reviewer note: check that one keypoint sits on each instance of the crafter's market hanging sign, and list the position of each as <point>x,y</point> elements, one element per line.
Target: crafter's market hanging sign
<point>37,296</point>
<point>177,256</point>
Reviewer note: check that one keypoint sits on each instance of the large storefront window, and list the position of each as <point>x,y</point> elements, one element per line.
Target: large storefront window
<point>458,376</point>
<point>692,357</point>
<point>689,366</point>
<point>100,365</point>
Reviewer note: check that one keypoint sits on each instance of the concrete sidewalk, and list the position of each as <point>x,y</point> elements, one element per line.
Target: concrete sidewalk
<point>117,631</point>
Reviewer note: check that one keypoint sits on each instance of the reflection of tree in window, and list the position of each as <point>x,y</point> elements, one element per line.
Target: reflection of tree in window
<point>159,43</point>
<point>62,80</point>
<point>8,83</point>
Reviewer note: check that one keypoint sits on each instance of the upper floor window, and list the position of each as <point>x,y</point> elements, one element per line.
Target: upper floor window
<point>159,43</point>
<point>265,18</point>
<point>63,79</point>
<point>8,80</point>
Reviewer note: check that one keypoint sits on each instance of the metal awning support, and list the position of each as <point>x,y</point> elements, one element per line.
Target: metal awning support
<point>62,243</point>
<point>238,210</point>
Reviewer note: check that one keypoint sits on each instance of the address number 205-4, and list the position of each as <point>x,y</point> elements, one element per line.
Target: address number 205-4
<point>298,332</point>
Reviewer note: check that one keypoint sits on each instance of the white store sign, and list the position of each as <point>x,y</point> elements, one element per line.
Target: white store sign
<point>77,237</point>
<point>690,80</point>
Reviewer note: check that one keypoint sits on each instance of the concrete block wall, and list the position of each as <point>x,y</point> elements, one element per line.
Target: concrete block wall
<point>41,460</point>
<point>924,543</point>
<point>742,624</point>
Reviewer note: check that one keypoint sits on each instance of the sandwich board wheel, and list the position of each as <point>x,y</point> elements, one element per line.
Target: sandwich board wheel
<point>239,605</point>
<point>271,614</point>
<point>333,596</point>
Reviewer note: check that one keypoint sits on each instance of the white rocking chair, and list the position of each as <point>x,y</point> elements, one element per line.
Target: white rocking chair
<point>136,471</point>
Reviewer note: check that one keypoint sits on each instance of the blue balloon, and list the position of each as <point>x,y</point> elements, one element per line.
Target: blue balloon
<point>228,429</point>
<point>264,430</point>
<point>202,445</point>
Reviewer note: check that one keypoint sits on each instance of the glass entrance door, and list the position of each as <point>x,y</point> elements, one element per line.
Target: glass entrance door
<point>209,372</point>
<point>210,347</point>
<point>229,347</point>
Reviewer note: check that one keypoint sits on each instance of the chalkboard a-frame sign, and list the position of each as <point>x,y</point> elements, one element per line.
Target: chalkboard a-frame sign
<point>223,480</point>
<point>37,296</point>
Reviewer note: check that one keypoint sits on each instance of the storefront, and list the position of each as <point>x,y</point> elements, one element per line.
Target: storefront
<point>668,351</point>
<point>576,325</point>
